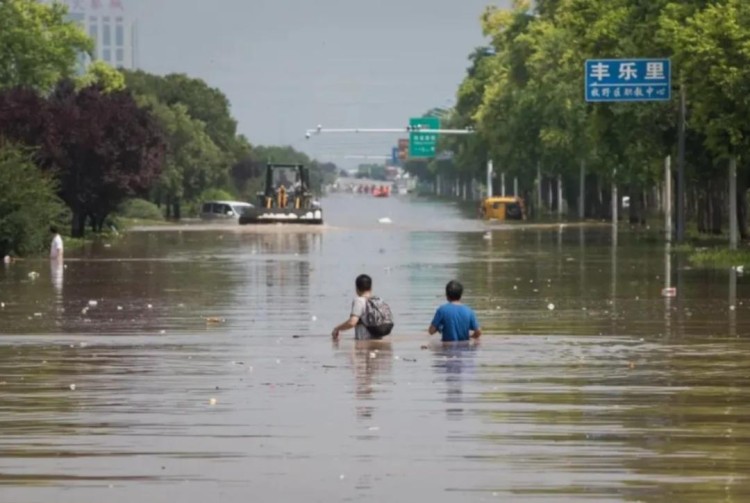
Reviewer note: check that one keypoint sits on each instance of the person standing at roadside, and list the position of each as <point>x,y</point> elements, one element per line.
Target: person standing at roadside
<point>454,320</point>
<point>56,247</point>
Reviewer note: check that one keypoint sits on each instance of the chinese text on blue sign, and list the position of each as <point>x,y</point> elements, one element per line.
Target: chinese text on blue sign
<point>628,80</point>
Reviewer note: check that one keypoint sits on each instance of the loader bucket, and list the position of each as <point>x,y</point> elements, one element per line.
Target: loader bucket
<point>281,215</point>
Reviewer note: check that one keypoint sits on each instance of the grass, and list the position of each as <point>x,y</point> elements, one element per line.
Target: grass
<point>719,258</point>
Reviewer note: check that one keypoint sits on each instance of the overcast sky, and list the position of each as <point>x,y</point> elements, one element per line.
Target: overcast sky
<point>288,65</point>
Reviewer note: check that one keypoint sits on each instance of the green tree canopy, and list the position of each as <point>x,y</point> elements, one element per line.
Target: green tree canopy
<point>38,45</point>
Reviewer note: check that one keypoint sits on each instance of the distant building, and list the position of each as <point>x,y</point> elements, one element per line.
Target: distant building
<point>114,32</point>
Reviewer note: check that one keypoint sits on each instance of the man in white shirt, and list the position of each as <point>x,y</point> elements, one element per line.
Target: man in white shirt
<point>56,248</point>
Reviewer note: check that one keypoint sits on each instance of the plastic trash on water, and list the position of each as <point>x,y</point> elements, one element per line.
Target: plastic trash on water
<point>669,292</point>
<point>93,303</point>
<point>551,306</point>
<point>212,401</point>
<point>385,220</point>
<point>72,387</point>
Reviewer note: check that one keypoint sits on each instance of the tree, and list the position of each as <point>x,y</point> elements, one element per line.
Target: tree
<point>28,202</point>
<point>38,45</point>
<point>102,147</point>
<point>193,162</point>
<point>101,74</point>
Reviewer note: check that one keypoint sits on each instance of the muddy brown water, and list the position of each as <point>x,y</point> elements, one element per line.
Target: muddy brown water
<point>616,394</point>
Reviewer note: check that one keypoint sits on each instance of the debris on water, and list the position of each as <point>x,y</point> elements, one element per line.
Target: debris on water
<point>732,308</point>
<point>314,318</point>
<point>37,315</point>
<point>487,235</point>
<point>85,310</point>
<point>342,477</point>
<point>296,337</point>
<point>212,401</point>
<point>72,387</point>
<point>515,287</point>
<point>93,303</point>
<point>373,354</point>
<point>119,308</point>
<point>669,292</point>
<point>278,362</point>
<point>424,346</point>
<point>411,360</point>
<point>373,428</point>
<point>739,268</point>
<point>551,306</point>
<point>162,332</point>
<point>149,306</point>
<point>385,220</point>
<point>396,357</point>
<point>215,320</point>
<point>33,275</point>
<point>2,305</point>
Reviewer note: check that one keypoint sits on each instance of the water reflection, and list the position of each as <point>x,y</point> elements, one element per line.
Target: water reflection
<point>454,362</point>
<point>590,394</point>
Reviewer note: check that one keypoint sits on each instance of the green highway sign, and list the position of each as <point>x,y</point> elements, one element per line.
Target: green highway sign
<point>422,145</point>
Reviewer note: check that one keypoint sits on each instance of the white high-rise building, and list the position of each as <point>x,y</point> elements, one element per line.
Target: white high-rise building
<point>114,32</point>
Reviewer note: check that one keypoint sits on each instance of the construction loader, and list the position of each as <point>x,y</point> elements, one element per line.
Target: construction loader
<point>286,198</point>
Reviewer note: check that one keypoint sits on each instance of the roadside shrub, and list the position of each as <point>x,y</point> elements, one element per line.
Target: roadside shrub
<point>28,203</point>
<point>140,209</point>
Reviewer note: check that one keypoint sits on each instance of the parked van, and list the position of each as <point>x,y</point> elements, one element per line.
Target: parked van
<point>212,210</point>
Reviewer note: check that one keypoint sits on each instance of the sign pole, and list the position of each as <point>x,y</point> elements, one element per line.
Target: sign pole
<point>615,207</point>
<point>502,183</point>
<point>582,191</point>
<point>668,199</point>
<point>559,196</point>
<point>515,186</point>
<point>539,187</point>
<point>680,200</point>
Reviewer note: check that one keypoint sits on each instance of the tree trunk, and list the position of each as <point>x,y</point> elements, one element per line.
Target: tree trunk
<point>177,213</point>
<point>78,225</point>
<point>742,212</point>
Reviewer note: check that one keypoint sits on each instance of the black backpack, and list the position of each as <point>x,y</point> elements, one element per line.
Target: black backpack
<point>378,318</point>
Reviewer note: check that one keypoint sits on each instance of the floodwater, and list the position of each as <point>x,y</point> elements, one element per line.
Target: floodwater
<point>205,371</point>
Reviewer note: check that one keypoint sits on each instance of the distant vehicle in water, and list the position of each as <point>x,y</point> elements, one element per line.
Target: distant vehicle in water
<point>222,210</point>
<point>286,198</point>
<point>503,208</point>
<point>381,191</point>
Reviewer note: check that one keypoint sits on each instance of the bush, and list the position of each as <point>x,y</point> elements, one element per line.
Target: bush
<point>28,203</point>
<point>140,209</point>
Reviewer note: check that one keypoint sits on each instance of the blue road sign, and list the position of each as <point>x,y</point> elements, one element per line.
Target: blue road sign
<point>616,80</point>
<point>394,156</point>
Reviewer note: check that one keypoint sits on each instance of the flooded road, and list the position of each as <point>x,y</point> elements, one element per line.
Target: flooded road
<point>188,364</point>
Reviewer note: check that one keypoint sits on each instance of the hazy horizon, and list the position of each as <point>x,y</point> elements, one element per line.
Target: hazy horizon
<point>289,65</point>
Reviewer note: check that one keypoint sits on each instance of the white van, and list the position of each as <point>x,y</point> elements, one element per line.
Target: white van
<point>212,210</point>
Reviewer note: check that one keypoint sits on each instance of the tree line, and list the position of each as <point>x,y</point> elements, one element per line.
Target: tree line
<point>524,96</point>
<point>96,139</point>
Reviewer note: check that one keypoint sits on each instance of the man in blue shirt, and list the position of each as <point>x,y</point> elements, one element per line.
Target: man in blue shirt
<point>455,321</point>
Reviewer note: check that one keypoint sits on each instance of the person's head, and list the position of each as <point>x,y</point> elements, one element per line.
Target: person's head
<point>53,229</point>
<point>453,291</point>
<point>363,283</point>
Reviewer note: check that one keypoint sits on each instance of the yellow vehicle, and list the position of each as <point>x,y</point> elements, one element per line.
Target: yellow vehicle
<point>503,208</point>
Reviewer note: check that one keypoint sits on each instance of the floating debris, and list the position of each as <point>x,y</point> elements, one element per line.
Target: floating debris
<point>551,306</point>
<point>214,320</point>
<point>72,387</point>
<point>385,220</point>
<point>93,303</point>
<point>212,401</point>
<point>314,318</point>
<point>149,306</point>
<point>669,292</point>
<point>33,275</point>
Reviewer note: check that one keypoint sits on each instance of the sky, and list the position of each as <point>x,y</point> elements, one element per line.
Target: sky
<point>289,65</point>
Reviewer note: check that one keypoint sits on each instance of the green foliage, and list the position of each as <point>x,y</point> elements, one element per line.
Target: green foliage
<point>140,209</point>
<point>38,45</point>
<point>101,74</point>
<point>28,203</point>
<point>720,258</point>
